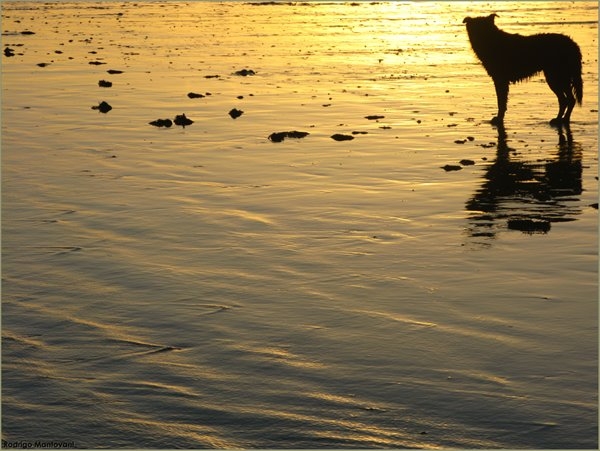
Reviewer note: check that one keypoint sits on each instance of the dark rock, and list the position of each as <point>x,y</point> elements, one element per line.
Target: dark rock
<point>194,95</point>
<point>114,71</point>
<point>359,133</point>
<point>244,72</point>
<point>211,76</point>
<point>27,32</point>
<point>452,167</point>
<point>162,123</point>
<point>460,141</point>
<point>104,84</point>
<point>9,52</point>
<point>374,117</point>
<point>103,107</point>
<point>235,113</point>
<point>277,137</point>
<point>96,63</point>
<point>182,120</point>
<point>43,64</point>
<point>340,137</point>
<point>466,162</point>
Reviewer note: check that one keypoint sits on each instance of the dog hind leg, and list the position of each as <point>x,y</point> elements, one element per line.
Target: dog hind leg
<point>502,97</point>
<point>561,87</point>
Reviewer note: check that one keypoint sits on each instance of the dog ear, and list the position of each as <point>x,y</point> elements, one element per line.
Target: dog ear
<point>467,19</point>
<point>492,17</point>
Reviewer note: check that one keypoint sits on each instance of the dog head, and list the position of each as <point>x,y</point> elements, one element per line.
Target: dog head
<point>480,23</point>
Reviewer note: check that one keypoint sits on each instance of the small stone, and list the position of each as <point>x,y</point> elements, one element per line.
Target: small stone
<point>195,95</point>
<point>235,113</point>
<point>9,52</point>
<point>114,71</point>
<point>374,117</point>
<point>466,162</point>
<point>104,84</point>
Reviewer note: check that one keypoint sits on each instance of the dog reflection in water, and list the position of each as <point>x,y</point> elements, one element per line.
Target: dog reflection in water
<point>509,58</point>
<point>527,196</point>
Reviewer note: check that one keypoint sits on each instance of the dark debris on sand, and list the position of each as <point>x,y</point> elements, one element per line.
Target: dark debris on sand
<point>340,137</point>
<point>103,107</point>
<point>235,113</point>
<point>195,95</point>
<point>182,120</point>
<point>162,123</point>
<point>452,167</point>
<point>104,84</point>
<point>244,72</point>
<point>277,137</point>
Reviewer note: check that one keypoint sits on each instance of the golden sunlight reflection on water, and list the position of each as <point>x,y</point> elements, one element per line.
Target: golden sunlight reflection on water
<point>208,287</point>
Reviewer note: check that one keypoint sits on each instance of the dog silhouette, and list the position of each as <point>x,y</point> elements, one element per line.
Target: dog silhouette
<point>509,58</point>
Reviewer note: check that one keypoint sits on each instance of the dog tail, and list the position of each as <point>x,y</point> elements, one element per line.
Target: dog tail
<point>578,87</point>
<point>576,81</point>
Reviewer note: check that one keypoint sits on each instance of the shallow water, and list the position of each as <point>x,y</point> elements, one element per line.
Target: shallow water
<point>204,287</point>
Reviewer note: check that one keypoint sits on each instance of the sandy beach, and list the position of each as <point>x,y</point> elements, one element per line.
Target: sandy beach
<point>327,245</point>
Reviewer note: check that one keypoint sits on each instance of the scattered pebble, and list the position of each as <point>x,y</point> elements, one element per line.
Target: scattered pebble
<point>340,137</point>
<point>104,84</point>
<point>466,162</point>
<point>114,71</point>
<point>96,63</point>
<point>195,95</point>
<point>27,32</point>
<point>162,123</point>
<point>460,141</point>
<point>452,167</point>
<point>277,137</point>
<point>9,52</point>
<point>359,133</point>
<point>182,120</point>
<point>43,64</point>
<point>103,107</point>
<point>235,113</point>
<point>211,76</point>
<point>374,117</point>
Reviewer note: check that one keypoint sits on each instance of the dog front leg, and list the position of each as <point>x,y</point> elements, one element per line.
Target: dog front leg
<point>502,96</point>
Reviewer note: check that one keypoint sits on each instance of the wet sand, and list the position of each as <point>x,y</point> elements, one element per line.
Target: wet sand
<point>429,283</point>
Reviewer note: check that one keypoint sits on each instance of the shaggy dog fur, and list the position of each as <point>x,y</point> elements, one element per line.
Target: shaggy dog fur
<point>509,58</point>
